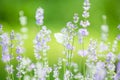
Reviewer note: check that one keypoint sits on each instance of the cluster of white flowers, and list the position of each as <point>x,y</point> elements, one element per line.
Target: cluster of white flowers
<point>100,71</point>
<point>39,16</point>
<point>6,44</point>
<point>40,44</point>
<point>41,72</point>
<point>68,75</point>
<point>56,73</point>
<point>19,46</point>
<point>42,69</point>
<point>66,38</point>
<point>86,6</point>
<point>84,23</point>
<point>22,66</point>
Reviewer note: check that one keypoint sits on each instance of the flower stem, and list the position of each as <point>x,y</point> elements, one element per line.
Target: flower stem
<point>12,56</point>
<point>12,77</point>
<point>83,58</point>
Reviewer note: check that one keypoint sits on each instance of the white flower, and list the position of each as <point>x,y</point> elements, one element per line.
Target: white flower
<point>5,39</point>
<point>6,57</point>
<point>84,23</point>
<point>83,53</point>
<point>69,46</point>
<point>25,61</point>
<point>41,40</point>
<point>9,69</point>
<point>39,16</point>
<point>100,65</point>
<point>100,71</point>
<point>83,32</point>
<point>41,72</point>
<point>56,73</point>
<point>111,67</point>
<point>111,57</point>
<point>40,10</point>
<point>103,47</point>
<point>85,14</point>
<point>68,75</point>
<point>37,56</point>
<point>69,24</point>
<point>86,5</point>
<point>76,18</point>
<point>19,50</point>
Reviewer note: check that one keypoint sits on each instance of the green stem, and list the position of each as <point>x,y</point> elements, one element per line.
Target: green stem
<point>68,60</point>
<point>8,75</point>
<point>84,73</point>
<point>12,76</point>
<point>84,67</point>
<point>19,78</point>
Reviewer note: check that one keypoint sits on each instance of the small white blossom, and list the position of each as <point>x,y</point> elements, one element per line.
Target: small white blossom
<point>68,75</point>
<point>86,5</point>
<point>82,53</point>
<point>83,32</point>
<point>84,23</point>
<point>39,16</point>
<point>9,69</point>
<point>85,14</point>
<point>76,18</point>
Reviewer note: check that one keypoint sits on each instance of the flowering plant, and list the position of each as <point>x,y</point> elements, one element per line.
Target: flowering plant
<point>97,61</point>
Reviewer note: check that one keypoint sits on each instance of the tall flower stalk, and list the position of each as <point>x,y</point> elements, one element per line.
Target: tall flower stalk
<point>39,17</point>
<point>12,38</point>
<point>40,52</point>
<point>6,55</point>
<point>82,32</point>
<point>19,51</point>
<point>66,38</point>
<point>41,47</point>
<point>91,59</point>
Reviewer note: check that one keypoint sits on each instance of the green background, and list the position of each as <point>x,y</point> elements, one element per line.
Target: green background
<point>57,14</point>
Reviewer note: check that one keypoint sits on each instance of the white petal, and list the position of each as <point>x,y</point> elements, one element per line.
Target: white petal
<point>59,37</point>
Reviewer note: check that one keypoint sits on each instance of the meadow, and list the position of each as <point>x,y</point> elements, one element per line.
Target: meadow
<point>60,40</point>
